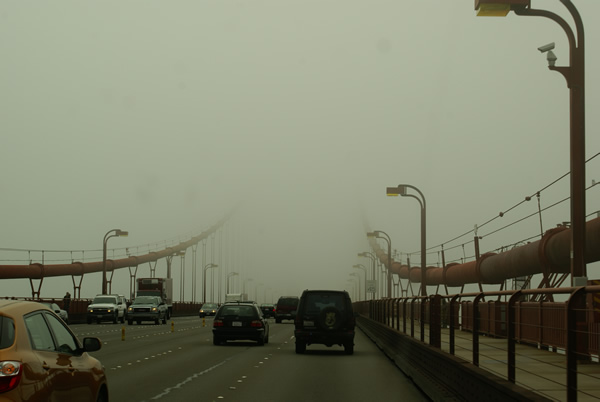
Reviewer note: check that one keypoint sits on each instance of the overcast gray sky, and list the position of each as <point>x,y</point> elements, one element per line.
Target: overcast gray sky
<point>159,116</point>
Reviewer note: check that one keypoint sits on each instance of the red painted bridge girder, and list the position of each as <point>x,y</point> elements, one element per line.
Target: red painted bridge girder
<point>551,254</point>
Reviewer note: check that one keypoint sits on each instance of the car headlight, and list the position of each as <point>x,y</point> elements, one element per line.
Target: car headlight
<point>153,308</point>
<point>130,309</point>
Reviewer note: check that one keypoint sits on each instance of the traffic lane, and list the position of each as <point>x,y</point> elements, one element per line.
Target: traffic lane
<point>321,374</point>
<point>276,373</point>
<point>140,340</point>
<point>155,365</point>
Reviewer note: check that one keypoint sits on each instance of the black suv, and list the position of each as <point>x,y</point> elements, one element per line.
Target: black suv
<point>325,317</point>
<point>286,308</point>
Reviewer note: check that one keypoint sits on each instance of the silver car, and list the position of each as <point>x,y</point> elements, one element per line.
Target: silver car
<point>59,312</point>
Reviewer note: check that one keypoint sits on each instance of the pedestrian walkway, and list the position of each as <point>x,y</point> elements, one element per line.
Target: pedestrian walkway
<point>542,371</point>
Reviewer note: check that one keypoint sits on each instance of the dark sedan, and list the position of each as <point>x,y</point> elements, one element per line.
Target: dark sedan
<point>208,309</point>
<point>268,310</point>
<point>240,321</point>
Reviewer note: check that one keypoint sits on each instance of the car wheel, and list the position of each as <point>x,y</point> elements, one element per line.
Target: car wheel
<point>300,347</point>
<point>330,319</point>
<point>349,348</point>
<point>129,322</point>
<point>216,341</point>
<point>89,321</point>
<point>139,322</point>
<point>164,320</point>
<point>261,341</point>
<point>102,397</point>
<point>115,318</point>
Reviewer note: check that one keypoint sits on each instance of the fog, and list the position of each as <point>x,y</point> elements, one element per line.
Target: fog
<point>161,117</point>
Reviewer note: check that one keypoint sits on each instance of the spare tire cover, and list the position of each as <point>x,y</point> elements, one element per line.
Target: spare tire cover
<point>330,318</point>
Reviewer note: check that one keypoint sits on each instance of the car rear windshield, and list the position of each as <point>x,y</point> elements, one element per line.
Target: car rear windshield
<point>288,301</point>
<point>237,311</point>
<point>7,332</point>
<point>320,301</point>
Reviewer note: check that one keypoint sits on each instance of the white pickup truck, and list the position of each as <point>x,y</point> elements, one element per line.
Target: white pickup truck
<point>107,308</point>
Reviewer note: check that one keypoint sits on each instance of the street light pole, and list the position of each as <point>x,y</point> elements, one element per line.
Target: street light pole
<point>360,266</point>
<point>229,275</point>
<point>359,283</point>
<point>244,285</point>
<point>108,235</point>
<point>575,76</point>
<point>206,268</point>
<point>387,238</point>
<point>402,191</point>
<point>373,260</point>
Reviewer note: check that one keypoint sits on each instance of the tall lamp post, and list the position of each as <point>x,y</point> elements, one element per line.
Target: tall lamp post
<point>229,275</point>
<point>360,266</point>
<point>206,268</point>
<point>575,76</point>
<point>108,235</point>
<point>373,260</point>
<point>256,291</point>
<point>244,285</point>
<point>387,238</point>
<point>356,275</point>
<point>402,190</point>
<point>353,287</point>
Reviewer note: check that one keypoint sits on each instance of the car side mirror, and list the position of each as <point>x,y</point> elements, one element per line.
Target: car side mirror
<point>91,344</point>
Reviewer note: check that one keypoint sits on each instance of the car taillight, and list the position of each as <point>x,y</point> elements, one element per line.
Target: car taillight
<point>10,375</point>
<point>256,324</point>
<point>218,323</point>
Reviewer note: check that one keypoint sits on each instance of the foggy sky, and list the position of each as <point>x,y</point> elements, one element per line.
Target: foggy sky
<point>159,117</point>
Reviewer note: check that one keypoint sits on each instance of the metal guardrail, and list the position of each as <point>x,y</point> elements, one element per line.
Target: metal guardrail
<point>569,328</point>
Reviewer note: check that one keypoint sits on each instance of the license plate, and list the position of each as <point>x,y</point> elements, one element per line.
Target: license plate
<point>236,324</point>
<point>309,323</point>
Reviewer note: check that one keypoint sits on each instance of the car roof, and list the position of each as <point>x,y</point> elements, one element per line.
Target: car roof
<point>324,291</point>
<point>20,307</point>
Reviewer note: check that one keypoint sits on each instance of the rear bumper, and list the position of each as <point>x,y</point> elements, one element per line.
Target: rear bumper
<point>316,336</point>
<point>244,334</point>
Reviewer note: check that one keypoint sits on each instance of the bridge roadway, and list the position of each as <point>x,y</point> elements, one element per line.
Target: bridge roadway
<point>155,364</point>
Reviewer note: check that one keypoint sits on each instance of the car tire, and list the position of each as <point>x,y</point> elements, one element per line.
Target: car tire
<point>349,348</point>
<point>216,341</point>
<point>164,320</point>
<point>300,347</point>
<point>129,322</point>
<point>89,321</point>
<point>115,318</point>
<point>261,341</point>
<point>138,322</point>
<point>330,319</point>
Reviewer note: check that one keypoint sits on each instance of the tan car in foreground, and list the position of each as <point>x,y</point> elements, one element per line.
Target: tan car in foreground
<point>42,360</point>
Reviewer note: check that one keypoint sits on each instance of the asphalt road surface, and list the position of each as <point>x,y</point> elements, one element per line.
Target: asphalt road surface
<point>180,363</point>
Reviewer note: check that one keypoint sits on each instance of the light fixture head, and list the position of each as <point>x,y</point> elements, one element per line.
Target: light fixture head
<point>551,58</point>
<point>546,48</point>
